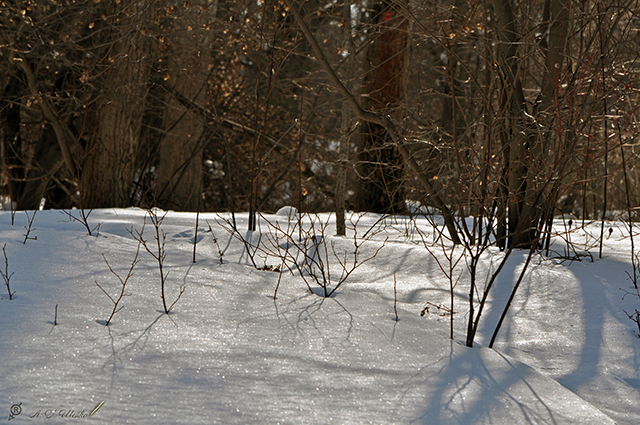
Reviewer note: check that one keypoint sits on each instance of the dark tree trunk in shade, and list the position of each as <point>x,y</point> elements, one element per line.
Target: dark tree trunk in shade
<point>381,168</point>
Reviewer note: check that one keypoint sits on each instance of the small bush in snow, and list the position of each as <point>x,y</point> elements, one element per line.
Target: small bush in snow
<point>157,251</point>
<point>83,218</point>
<point>6,275</point>
<point>304,248</point>
<point>123,285</point>
<point>29,228</point>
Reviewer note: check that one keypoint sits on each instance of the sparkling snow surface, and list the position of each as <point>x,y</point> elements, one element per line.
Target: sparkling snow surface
<point>230,354</point>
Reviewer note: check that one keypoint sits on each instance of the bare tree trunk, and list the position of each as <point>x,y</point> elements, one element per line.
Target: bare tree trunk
<point>117,118</point>
<point>525,151</point>
<point>34,184</point>
<point>180,167</point>
<point>342,169</point>
<point>512,107</point>
<point>5,189</point>
<point>382,120</point>
<point>382,175</point>
<point>345,130</point>
<point>543,155</point>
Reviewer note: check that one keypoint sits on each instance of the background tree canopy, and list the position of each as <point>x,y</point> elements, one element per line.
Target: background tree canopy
<point>504,110</point>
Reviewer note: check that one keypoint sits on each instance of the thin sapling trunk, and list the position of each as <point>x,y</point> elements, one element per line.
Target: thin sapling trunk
<point>5,274</point>
<point>29,228</point>
<point>158,253</point>
<point>123,285</point>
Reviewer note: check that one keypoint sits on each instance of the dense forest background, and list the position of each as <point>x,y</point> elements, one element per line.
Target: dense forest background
<point>509,111</point>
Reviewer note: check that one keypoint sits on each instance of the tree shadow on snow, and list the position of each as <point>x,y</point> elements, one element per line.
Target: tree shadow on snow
<point>601,286</point>
<point>481,386</point>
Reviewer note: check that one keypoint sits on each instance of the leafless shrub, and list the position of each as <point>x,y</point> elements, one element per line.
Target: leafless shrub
<point>215,241</point>
<point>305,249</point>
<point>572,250</point>
<point>5,274</point>
<point>250,248</point>
<point>29,227</point>
<point>395,297</point>
<point>448,266</point>
<point>635,317</point>
<point>123,285</point>
<point>83,218</point>
<point>157,251</point>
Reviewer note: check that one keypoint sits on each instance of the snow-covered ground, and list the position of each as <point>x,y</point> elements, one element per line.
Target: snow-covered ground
<point>229,353</point>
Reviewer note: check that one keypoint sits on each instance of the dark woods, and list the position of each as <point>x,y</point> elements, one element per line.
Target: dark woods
<point>507,111</point>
